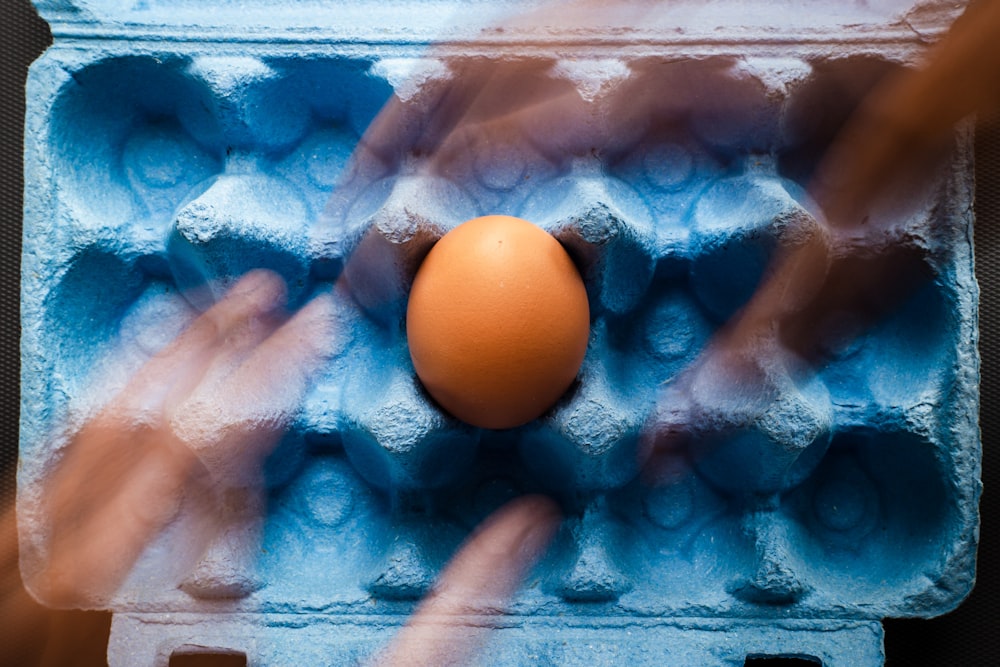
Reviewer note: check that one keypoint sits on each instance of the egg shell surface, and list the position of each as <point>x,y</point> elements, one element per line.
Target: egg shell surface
<point>497,321</point>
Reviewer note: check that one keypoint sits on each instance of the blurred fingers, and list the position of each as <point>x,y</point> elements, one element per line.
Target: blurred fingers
<point>125,473</point>
<point>243,317</point>
<point>235,417</point>
<point>448,627</point>
<point>99,533</point>
<point>900,131</point>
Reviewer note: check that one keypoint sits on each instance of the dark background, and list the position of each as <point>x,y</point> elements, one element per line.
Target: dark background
<point>969,636</point>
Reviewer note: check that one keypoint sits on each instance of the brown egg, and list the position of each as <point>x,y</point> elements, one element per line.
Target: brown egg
<point>497,321</point>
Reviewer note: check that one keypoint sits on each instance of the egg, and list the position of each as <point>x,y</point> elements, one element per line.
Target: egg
<point>497,321</point>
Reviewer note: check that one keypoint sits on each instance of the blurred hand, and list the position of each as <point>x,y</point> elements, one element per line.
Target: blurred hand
<point>196,421</point>
<point>879,169</point>
<point>880,162</point>
<point>453,621</point>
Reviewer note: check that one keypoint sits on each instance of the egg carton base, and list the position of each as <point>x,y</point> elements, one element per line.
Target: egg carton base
<point>270,640</point>
<point>906,393</point>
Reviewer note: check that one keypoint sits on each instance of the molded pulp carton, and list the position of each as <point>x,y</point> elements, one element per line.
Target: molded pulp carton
<point>172,146</point>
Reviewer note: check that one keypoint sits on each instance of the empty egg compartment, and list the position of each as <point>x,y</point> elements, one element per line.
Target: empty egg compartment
<point>224,157</point>
<point>164,176</point>
<point>879,519</point>
<point>863,533</point>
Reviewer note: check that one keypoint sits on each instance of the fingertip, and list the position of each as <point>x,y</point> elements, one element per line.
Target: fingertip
<point>541,508</point>
<point>525,525</point>
<point>320,313</point>
<point>262,286</point>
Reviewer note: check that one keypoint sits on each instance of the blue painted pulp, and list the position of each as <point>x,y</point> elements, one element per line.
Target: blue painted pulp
<point>156,178</point>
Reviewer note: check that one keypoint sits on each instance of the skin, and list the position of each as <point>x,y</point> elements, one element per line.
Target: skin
<point>128,468</point>
<point>886,152</point>
<point>454,621</point>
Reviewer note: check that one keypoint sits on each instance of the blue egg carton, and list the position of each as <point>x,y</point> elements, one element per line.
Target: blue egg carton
<point>171,147</point>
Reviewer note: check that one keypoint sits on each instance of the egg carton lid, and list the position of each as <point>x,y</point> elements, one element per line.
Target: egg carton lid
<point>508,22</point>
